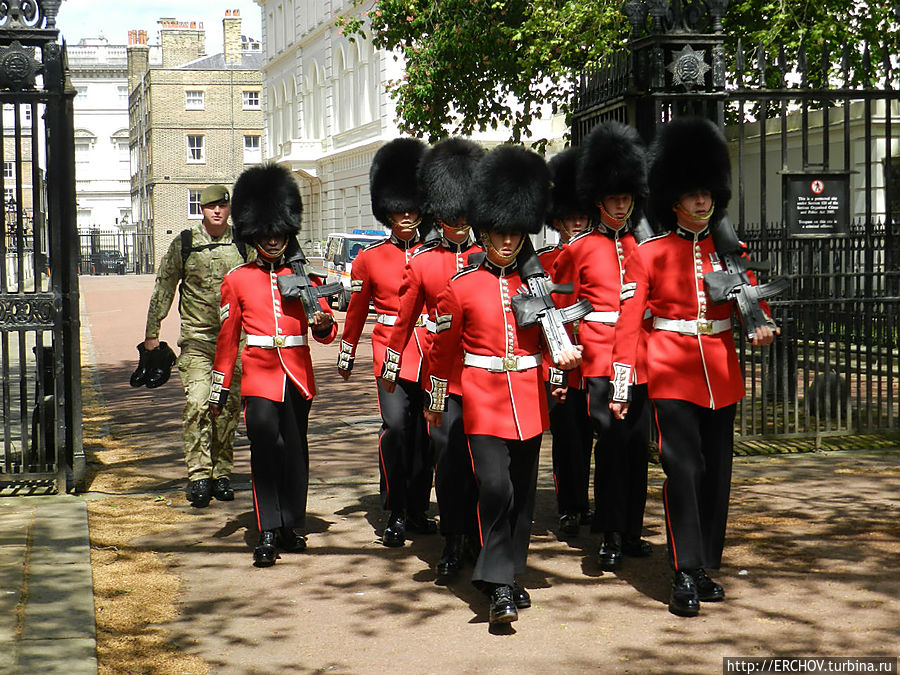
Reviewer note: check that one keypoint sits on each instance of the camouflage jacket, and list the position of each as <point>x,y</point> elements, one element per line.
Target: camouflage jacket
<point>202,276</point>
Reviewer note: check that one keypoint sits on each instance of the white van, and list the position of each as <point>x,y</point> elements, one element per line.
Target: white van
<point>340,252</point>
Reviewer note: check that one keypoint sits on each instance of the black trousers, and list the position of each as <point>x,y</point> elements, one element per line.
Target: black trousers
<point>506,472</point>
<point>573,438</point>
<point>404,453</point>
<point>454,479</point>
<point>696,446</point>
<point>620,460</point>
<point>279,458</point>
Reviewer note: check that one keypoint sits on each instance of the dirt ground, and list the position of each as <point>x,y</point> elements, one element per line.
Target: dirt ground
<point>812,562</point>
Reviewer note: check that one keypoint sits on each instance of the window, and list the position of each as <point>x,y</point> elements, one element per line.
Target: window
<point>194,210</point>
<point>250,100</point>
<point>195,152</point>
<point>80,93</point>
<point>193,100</point>
<point>252,150</point>
<point>123,93</point>
<point>82,150</point>
<point>9,171</point>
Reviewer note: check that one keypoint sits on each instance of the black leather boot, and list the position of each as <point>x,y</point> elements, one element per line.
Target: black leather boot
<point>503,608</point>
<point>200,492</point>
<point>610,555</point>
<point>451,559</point>
<point>264,553</point>
<point>684,601</point>
<point>707,589</point>
<point>395,532</point>
<point>222,489</point>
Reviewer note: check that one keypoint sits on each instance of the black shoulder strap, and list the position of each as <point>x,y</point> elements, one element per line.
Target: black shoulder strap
<point>186,241</point>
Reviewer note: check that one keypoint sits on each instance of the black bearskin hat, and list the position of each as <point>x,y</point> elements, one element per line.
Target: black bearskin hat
<point>445,178</point>
<point>510,191</point>
<point>563,199</point>
<point>688,153</point>
<point>613,161</point>
<point>392,178</point>
<point>265,201</point>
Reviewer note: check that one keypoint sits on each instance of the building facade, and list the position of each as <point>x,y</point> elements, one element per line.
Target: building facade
<point>327,111</point>
<point>102,173</point>
<point>194,120</point>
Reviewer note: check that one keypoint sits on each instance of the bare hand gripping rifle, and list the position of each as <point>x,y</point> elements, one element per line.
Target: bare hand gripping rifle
<point>533,303</point>
<point>732,283</point>
<point>297,286</point>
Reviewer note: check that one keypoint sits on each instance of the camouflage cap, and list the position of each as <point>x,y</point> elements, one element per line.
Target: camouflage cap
<point>214,194</point>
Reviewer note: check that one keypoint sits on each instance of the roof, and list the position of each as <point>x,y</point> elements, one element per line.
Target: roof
<point>250,60</point>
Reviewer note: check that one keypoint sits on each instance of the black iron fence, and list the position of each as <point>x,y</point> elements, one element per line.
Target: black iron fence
<point>820,128</point>
<point>115,252</point>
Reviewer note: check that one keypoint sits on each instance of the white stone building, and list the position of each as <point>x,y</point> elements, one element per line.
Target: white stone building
<point>327,112</point>
<point>102,170</point>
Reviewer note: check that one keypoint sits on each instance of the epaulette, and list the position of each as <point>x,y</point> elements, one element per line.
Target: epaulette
<point>581,235</point>
<point>237,267</point>
<point>654,237</point>
<point>464,271</point>
<point>376,244</point>
<point>427,246</point>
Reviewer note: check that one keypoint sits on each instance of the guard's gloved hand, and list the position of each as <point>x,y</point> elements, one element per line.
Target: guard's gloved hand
<point>159,365</point>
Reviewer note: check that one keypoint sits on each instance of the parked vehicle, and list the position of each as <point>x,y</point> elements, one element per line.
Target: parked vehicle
<point>340,252</point>
<point>107,261</point>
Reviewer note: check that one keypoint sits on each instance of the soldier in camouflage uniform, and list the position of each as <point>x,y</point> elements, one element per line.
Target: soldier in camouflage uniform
<point>208,443</point>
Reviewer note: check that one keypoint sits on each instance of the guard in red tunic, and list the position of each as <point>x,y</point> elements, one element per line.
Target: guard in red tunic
<point>570,424</point>
<point>694,378</point>
<point>404,455</point>
<point>504,407</point>
<point>445,176</point>
<point>612,184</point>
<point>278,384</point>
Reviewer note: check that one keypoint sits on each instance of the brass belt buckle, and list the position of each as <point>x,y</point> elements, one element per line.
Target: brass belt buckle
<point>278,340</point>
<point>420,321</point>
<point>704,327</point>
<point>510,363</point>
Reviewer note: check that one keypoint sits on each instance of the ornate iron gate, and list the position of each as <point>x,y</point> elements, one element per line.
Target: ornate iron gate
<point>40,362</point>
<point>835,369</point>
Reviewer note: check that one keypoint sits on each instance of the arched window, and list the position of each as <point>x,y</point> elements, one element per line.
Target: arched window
<point>286,113</point>
<point>340,91</point>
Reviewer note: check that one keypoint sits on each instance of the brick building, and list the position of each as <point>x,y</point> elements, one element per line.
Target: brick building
<point>194,119</point>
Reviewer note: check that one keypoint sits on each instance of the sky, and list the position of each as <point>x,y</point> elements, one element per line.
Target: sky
<point>79,19</point>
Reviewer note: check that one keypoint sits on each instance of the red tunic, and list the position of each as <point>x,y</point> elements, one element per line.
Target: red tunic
<point>594,263</point>
<point>700,369</point>
<point>251,301</point>
<point>476,318</point>
<point>425,278</point>
<point>376,276</point>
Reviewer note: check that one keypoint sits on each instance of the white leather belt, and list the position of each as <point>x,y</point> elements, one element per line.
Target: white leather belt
<point>386,319</point>
<point>273,341</point>
<point>391,319</point>
<point>692,326</point>
<point>609,318</point>
<point>502,364</point>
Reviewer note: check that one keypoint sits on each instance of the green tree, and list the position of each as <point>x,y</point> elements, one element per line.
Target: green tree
<point>478,64</point>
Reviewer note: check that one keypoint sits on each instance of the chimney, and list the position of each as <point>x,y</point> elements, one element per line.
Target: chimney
<point>231,31</point>
<point>138,57</point>
<point>181,42</point>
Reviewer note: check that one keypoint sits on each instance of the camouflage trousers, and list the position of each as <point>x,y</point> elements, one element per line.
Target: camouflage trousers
<point>208,443</point>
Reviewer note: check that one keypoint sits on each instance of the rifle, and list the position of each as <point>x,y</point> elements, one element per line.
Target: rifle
<point>533,303</point>
<point>297,286</point>
<point>732,283</point>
